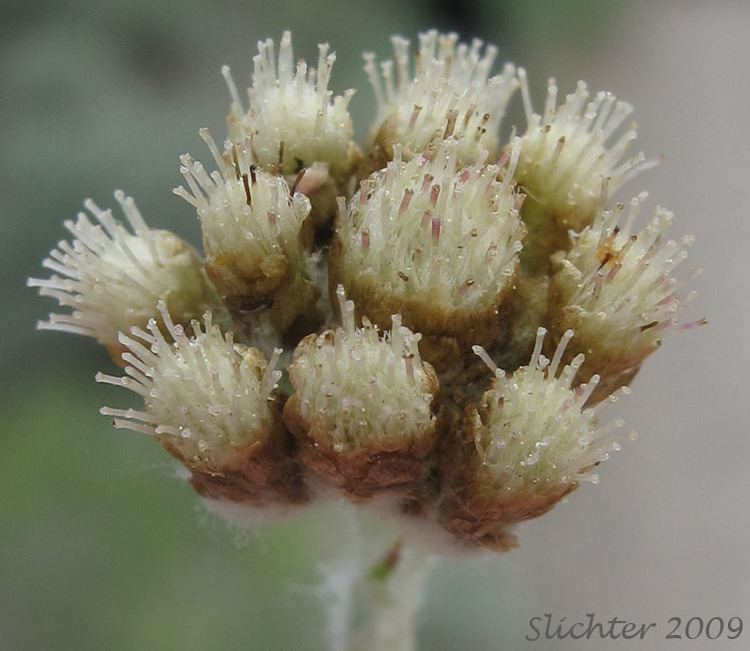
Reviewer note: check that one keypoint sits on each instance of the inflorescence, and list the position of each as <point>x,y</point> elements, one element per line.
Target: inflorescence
<point>457,307</point>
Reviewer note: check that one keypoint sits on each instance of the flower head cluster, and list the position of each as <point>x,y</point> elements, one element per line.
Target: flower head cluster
<point>111,278</point>
<point>448,237</point>
<point>292,121</point>
<point>449,93</point>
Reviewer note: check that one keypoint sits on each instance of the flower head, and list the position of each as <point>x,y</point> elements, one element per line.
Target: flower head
<point>292,121</point>
<point>252,232</point>
<point>449,93</point>
<point>615,288</point>
<point>362,406</point>
<point>572,160</point>
<point>432,241</point>
<point>111,278</point>
<point>528,443</point>
<point>572,156</point>
<point>208,400</point>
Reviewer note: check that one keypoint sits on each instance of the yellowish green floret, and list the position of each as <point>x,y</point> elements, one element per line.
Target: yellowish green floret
<point>529,441</point>
<point>206,397</point>
<point>433,241</point>
<point>447,93</point>
<point>111,278</point>
<point>292,121</point>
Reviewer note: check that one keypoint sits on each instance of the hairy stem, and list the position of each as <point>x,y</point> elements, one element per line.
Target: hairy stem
<point>372,601</point>
<point>386,600</point>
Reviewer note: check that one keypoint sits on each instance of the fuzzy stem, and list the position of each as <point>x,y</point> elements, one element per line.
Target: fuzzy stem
<point>386,600</point>
<point>371,601</point>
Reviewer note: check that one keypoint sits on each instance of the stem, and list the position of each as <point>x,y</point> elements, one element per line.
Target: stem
<point>386,601</point>
<point>371,601</point>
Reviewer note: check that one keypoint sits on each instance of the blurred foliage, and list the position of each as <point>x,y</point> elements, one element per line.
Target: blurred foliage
<point>101,547</point>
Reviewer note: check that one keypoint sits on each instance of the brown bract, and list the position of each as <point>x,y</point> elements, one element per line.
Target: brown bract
<point>361,472</point>
<point>262,473</point>
<point>246,278</point>
<point>448,332</point>
<point>250,285</point>
<point>548,231</point>
<point>398,461</point>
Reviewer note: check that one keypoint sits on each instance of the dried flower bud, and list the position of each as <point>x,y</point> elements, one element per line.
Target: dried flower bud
<point>571,161</point>
<point>292,121</point>
<point>210,403</point>
<point>362,409</point>
<point>528,443</point>
<point>615,289</point>
<point>433,242</point>
<point>251,234</point>
<point>449,94</point>
<point>111,279</point>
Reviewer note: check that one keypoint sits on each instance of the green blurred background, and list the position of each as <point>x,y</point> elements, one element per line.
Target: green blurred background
<point>101,547</point>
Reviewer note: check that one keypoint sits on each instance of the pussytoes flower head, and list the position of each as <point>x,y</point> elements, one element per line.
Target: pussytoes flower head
<point>363,404</point>
<point>527,444</point>
<point>572,160</point>
<point>616,290</point>
<point>209,401</point>
<point>572,155</point>
<point>252,232</point>
<point>292,121</point>
<point>448,93</point>
<point>111,278</point>
<point>431,241</point>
